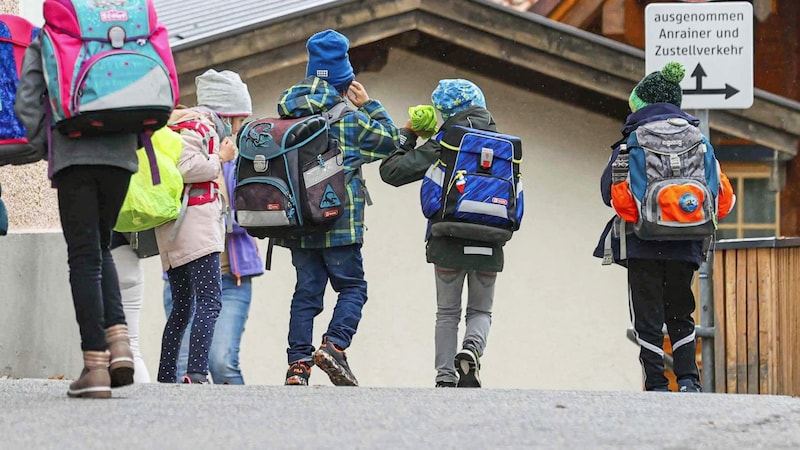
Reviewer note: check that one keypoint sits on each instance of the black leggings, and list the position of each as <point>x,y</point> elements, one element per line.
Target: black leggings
<point>89,200</point>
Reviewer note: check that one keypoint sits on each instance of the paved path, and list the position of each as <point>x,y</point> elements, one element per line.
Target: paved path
<point>37,414</point>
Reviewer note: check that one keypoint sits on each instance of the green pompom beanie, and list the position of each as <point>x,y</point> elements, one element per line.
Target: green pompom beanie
<point>659,87</point>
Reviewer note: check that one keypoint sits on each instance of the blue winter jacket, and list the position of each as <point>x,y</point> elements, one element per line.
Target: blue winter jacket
<point>691,251</point>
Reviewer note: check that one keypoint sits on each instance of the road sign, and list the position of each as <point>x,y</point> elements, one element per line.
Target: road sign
<point>713,41</point>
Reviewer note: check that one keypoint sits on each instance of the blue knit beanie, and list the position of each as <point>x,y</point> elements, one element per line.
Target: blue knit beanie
<point>328,59</point>
<point>455,95</point>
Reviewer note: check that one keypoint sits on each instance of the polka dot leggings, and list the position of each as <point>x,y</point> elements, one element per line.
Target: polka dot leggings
<point>195,290</point>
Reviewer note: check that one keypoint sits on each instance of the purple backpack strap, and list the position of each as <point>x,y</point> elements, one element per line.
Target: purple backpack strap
<point>147,141</point>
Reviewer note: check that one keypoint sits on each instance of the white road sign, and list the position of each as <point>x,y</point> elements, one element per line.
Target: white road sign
<point>713,41</point>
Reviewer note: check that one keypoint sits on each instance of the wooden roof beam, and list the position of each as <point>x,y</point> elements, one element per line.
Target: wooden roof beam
<point>544,7</point>
<point>623,21</point>
<point>582,13</point>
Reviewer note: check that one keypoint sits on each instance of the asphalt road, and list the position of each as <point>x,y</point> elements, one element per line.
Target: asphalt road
<point>37,414</point>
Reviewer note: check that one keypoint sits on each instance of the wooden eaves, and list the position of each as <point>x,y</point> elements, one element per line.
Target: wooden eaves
<point>525,41</point>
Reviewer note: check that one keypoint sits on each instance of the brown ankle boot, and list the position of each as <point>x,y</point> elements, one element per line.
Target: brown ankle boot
<point>94,381</point>
<point>119,345</point>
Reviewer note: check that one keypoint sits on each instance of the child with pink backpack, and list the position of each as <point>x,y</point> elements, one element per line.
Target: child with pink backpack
<point>92,134</point>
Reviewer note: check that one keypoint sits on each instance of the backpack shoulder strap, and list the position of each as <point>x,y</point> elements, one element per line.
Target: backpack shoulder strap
<point>336,113</point>
<point>198,126</point>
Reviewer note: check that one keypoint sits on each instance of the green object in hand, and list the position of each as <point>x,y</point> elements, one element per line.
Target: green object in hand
<point>423,120</point>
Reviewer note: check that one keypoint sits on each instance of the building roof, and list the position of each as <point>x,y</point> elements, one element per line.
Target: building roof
<point>261,36</point>
<point>192,22</point>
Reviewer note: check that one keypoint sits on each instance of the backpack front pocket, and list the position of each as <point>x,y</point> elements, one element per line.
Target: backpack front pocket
<point>482,199</point>
<point>678,203</point>
<point>325,190</point>
<point>120,79</point>
<point>264,202</point>
<point>680,209</point>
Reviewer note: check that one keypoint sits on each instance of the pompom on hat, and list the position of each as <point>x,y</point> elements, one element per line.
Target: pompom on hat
<point>328,59</point>
<point>659,87</point>
<point>452,96</point>
<point>223,92</point>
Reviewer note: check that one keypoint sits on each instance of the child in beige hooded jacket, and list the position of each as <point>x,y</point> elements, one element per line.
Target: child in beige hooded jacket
<point>190,247</point>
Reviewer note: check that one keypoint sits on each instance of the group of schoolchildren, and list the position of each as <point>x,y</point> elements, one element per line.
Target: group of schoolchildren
<point>208,269</point>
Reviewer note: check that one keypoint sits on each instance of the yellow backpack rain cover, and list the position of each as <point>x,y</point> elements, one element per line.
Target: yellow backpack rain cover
<point>146,205</point>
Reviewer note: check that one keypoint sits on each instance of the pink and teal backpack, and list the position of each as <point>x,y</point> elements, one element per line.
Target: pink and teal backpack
<point>108,66</point>
<point>16,34</point>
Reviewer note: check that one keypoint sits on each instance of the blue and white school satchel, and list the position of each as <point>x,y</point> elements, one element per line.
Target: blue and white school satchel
<point>474,190</point>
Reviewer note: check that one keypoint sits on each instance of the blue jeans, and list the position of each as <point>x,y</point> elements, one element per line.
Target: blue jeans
<point>344,267</point>
<point>223,357</point>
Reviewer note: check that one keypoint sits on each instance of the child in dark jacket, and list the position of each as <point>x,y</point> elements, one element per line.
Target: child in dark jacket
<point>460,102</point>
<point>660,272</point>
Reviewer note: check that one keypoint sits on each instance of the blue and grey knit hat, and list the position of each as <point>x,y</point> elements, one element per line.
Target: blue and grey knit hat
<point>452,96</point>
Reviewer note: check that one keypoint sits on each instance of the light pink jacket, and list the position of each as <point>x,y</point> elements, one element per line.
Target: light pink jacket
<point>202,230</point>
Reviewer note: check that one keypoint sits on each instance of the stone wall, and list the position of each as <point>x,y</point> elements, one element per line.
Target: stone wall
<point>30,200</point>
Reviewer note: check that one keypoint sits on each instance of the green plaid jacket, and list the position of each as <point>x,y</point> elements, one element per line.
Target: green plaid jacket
<point>366,135</point>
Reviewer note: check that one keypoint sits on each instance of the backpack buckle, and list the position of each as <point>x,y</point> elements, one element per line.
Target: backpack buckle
<point>260,163</point>
<point>116,35</point>
<point>487,155</point>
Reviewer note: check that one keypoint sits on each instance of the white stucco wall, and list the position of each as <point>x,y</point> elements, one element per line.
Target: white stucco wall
<point>32,10</point>
<point>560,318</point>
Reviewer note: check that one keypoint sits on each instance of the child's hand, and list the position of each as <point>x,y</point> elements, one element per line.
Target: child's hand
<point>357,94</point>
<point>227,150</point>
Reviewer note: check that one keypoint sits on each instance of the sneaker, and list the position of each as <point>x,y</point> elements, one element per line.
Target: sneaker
<point>689,385</point>
<point>333,361</point>
<point>445,384</point>
<point>195,378</point>
<point>298,374</point>
<point>468,366</point>
<point>94,381</point>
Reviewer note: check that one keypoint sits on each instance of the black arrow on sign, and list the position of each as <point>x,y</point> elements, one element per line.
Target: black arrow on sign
<point>698,74</point>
